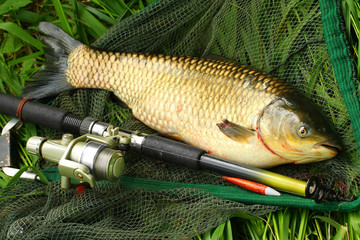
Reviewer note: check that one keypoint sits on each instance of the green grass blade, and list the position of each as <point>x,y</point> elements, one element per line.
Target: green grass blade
<point>347,18</point>
<point>25,58</point>
<point>11,5</point>
<point>304,215</point>
<point>340,233</point>
<point>329,221</point>
<point>17,176</point>
<point>318,229</point>
<point>351,5</point>
<point>4,179</point>
<point>30,17</point>
<point>285,225</point>
<point>27,160</point>
<point>126,6</point>
<point>9,78</point>
<point>207,236</point>
<point>95,27</point>
<point>99,14</point>
<point>105,9</point>
<point>62,17</point>
<point>11,43</point>
<point>353,219</point>
<point>80,28</point>
<point>268,232</point>
<point>3,120</point>
<point>294,221</point>
<point>22,34</point>
<point>128,10</point>
<point>276,223</point>
<point>21,195</point>
<point>2,182</point>
<point>218,233</point>
<point>228,231</point>
<point>250,225</point>
<point>41,175</point>
<point>245,216</point>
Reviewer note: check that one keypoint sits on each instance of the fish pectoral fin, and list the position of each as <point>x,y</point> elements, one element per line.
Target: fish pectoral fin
<point>236,132</point>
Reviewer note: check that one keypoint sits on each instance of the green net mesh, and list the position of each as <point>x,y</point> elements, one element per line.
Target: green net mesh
<point>285,38</point>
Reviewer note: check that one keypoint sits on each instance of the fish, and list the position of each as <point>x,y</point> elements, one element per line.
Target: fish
<point>230,110</point>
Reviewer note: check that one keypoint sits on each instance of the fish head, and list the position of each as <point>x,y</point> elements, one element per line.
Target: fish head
<point>294,129</point>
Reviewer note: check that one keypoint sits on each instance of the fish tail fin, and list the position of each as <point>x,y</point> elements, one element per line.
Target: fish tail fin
<point>51,78</point>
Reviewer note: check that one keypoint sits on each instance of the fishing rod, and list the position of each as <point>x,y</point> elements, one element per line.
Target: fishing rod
<point>97,152</point>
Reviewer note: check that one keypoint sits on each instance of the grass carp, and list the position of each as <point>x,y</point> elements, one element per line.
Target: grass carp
<point>230,110</point>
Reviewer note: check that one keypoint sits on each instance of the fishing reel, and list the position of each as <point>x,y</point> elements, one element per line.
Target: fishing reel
<point>86,158</point>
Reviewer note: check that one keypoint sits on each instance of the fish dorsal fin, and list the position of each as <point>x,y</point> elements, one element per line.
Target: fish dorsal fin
<point>236,132</point>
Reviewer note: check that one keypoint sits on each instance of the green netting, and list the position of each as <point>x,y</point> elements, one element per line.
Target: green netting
<point>343,67</point>
<point>156,200</point>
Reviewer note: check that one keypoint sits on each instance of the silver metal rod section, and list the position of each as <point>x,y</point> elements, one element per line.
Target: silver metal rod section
<point>9,171</point>
<point>137,141</point>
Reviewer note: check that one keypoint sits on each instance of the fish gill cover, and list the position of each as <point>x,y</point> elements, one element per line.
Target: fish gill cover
<point>285,38</point>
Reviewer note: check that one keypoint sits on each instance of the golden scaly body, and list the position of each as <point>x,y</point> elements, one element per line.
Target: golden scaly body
<point>185,97</point>
<point>231,111</point>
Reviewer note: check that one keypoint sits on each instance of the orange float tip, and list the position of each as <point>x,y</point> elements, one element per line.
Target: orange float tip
<point>252,186</point>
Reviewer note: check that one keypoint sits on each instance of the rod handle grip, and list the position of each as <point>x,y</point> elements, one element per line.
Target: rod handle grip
<point>172,151</point>
<point>38,113</point>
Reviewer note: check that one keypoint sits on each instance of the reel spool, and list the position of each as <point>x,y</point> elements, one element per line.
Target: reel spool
<point>86,158</point>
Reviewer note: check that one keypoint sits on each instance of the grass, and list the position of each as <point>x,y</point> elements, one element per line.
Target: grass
<point>289,224</point>
<point>351,12</point>
<point>21,54</point>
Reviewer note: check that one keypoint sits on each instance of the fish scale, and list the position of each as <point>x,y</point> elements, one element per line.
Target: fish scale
<point>230,110</point>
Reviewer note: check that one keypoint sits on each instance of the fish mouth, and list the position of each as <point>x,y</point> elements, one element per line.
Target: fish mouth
<point>333,147</point>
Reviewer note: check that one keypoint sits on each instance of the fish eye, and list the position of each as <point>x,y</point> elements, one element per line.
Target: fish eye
<point>303,131</point>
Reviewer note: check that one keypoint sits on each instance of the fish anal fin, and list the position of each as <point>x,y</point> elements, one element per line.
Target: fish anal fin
<point>236,132</point>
